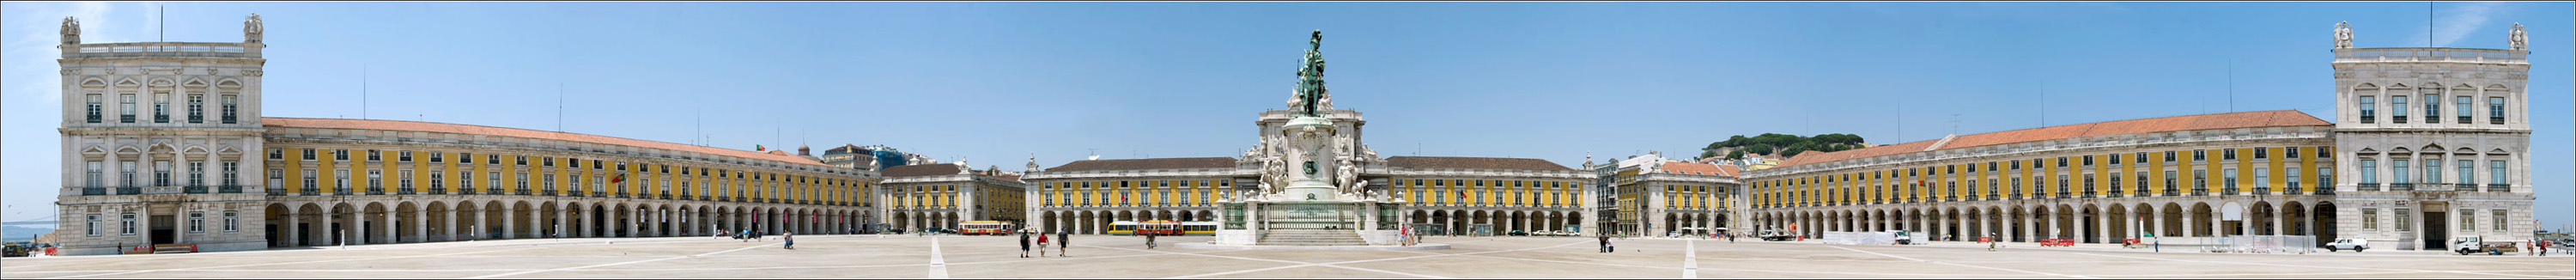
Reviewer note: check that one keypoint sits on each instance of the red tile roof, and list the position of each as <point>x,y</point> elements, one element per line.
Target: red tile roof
<point>921,170</point>
<point>522,133</point>
<point>1473,163</point>
<point>2275,118</point>
<point>1145,164</point>
<point>1692,168</point>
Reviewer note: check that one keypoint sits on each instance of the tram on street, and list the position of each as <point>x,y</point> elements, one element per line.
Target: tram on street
<point>984,228</point>
<point>1162,227</point>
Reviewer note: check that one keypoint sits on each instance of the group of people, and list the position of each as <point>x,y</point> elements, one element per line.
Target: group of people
<point>1062,241</point>
<point>750,235</point>
<point>2540,246</point>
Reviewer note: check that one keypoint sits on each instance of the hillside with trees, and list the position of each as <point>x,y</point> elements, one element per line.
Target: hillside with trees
<point>1780,144</point>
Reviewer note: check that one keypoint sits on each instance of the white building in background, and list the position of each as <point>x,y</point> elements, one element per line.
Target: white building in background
<point>2439,142</point>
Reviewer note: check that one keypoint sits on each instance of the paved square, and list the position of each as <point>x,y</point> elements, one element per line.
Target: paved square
<point>1126,257</point>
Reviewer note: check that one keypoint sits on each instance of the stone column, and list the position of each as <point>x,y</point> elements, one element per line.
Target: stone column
<point>452,223</point>
<point>288,229</point>
<point>359,228</point>
<point>509,222</point>
<point>419,225</point>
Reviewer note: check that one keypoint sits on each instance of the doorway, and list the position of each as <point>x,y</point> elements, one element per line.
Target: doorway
<point>163,231</point>
<point>2437,231</point>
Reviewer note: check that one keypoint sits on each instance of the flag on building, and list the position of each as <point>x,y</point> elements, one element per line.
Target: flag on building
<point>757,147</point>
<point>619,179</point>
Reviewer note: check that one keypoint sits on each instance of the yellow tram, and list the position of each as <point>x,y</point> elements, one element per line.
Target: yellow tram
<point>1163,227</point>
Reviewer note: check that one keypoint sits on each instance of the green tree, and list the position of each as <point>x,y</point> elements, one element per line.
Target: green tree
<point>1737,154</point>
<point>1763,149</point>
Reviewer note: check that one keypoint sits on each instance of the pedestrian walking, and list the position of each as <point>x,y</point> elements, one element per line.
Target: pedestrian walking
<point>745,236</point>
<point>1404,236</point>
<point>2544,248</point>
<point>1042,244</point>
<point>1024,244</point>
<point>1990,242</point>
<point>790,237</point>
<point>1730,238</point>
<point>1605,244</point>
<point>1063,242</point>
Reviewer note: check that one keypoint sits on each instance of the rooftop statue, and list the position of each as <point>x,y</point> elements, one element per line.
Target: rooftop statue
<point>2343,35</point>
<point>2519,41</point>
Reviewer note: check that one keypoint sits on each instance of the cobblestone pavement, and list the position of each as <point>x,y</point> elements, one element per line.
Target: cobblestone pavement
<point>1126,257</point>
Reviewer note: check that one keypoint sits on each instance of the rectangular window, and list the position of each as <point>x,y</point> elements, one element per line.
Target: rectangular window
<point>161,173</point>
<point>2200,182</point>
<point>2369,172</point>
<point>161,107</point>
<point>2370,219</point>
<point>375,181</point>
<point>310,187</point>
<point>231,102</point>
<point>340,184</point>
<point>2432,108</point>
<point>2499,221</point>
<point>196,108</point>
<point>340,155</point>
<point>492,159</point>
<point>2433,171</point>
<point>2292,179</point>
<point>2405,220</point>
<point>232,221</point>
<point>2262,180</point>
<point>196,221</point>
<point>196,173</point>
<point>2199,155</point>
<point>2369,109</point>
<point>2169,156</point>
<point>126,174</point>
<point>2227,154</point>
<point>375,156</point>
<point>2141,185</point>
<point>2325,177</point>
<point>125,224</point>
<point>2262,153</point>
<point>437,181</point>
<point>97,174</point>
<point>232,173</point>
<point>403,183</point>
<point>2290,152</point>
<point>2495,110</point>
<point>125,108</point>
<point>403,156</point>
<point>2228,181</point>
<point>2468,172</point>
<point>2462,108</point>
<point>2468,220</point>
<point>93,225</point>
<point>94,110</point>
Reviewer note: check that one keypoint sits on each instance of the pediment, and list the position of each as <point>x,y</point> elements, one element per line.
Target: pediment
<point>128,82</point>
<point>93,83</point>
<point>192,82</point>
<point>228,84</point>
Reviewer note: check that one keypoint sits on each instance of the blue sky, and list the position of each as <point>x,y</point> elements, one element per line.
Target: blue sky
<point>993,83</point>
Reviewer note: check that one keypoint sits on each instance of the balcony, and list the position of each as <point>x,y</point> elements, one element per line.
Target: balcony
<point>277,192</point>
<point>193,189</point>
<point>129,190</point>
<point>2499,187</point>
<point>2367,187</point>
<point>228,189</point>
<point>2400,187</point>
<point>2325,190</point>
<point>2262,191</point>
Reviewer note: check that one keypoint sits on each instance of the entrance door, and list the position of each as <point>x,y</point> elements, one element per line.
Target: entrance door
<point>163,231</point>
<point>2437,231</point>
<point>303,233</point>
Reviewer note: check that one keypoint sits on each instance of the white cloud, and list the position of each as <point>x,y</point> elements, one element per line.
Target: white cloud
<point>2455,22</point>
<point>38,32</point>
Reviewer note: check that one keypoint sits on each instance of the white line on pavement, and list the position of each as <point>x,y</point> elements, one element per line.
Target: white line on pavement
<point>1690,259</point>
<point>1966,265</point>
<point>614,264</point>
<point>302,262</point>
<point>938,261</point>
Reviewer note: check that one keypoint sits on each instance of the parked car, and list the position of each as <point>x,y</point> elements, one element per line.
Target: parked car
<point>14,250</point>
<point>1517,233</point>
<point>2354,244</point>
